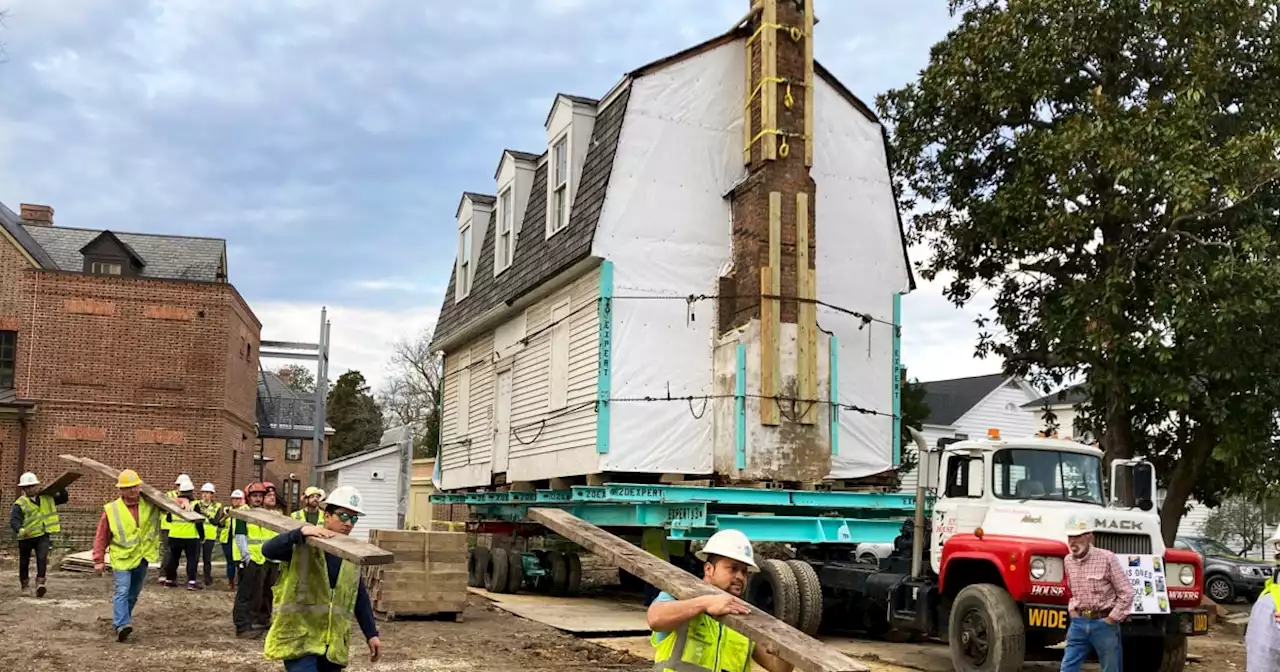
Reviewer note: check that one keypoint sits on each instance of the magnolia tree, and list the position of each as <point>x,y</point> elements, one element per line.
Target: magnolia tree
<point>1109,172</point>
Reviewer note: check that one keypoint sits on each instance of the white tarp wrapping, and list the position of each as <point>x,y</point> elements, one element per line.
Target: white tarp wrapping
<point>666,228</point>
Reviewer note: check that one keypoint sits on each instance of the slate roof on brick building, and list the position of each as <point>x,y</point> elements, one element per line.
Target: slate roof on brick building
<point>538,258</point>
<point>12,224</point>
<point>167,257</point>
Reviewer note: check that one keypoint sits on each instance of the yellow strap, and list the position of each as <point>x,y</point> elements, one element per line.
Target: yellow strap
<point>796,32</point>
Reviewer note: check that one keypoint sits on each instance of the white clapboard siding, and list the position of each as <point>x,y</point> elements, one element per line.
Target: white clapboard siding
<point>557,441</point>
<point>470,369</point>
<point>377,478</point>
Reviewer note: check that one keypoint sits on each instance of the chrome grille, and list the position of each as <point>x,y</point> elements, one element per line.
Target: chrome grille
<point>1125,544</point>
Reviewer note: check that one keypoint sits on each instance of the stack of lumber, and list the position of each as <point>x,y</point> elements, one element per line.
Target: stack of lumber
<point>81,562</point>
<point>428,577</point>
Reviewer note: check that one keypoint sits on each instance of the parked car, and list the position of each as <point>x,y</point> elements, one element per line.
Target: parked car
<point>1227,574</point>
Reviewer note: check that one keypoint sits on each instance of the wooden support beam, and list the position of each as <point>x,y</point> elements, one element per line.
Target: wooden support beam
<point>771,317</point>
<point>153,495</point>
<point>807,327</point>
<point>345,547</point>
<point>60,483</point>
<point>809,83</point>
<point>769,73</point>
<point>768,633</point>
<point>747,107</point>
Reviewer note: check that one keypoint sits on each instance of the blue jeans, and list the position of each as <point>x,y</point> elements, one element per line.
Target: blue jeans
<point>231,564</point>
<point>311,664</point>
<point>128,586</point>
<point>1092,633</point>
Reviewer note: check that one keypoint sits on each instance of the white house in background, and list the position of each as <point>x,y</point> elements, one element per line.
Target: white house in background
<point>1062,405</point>
<point>382,476</point>
<point>554,368</point>
<point>965,408</point>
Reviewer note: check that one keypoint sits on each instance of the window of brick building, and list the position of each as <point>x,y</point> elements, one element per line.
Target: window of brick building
<point>105,268</point>
<point>293,450</point>
<point>8,358</point>
<point>293,494</point>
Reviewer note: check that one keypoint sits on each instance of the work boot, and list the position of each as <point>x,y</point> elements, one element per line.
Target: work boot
<point>231,584</point>
<point>249,634</point>
<point>25,589</point>
<point>40,588</point>
<point>193,585</point>
<point>123,632</point>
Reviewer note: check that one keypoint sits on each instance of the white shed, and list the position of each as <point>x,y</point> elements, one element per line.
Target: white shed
<point>379,474</point>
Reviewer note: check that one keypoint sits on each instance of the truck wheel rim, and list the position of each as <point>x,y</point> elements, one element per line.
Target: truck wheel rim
<point>973,637</point>
<point>1218,589</point>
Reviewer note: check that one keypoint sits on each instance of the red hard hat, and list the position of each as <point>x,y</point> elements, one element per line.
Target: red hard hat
<point>255,487</point>
<point>269,485</point>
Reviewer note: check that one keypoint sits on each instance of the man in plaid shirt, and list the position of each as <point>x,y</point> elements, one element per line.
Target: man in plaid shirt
<point>1101,598</point>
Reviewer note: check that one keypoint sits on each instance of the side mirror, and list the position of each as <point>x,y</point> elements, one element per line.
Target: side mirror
<point>1144,481</point>
<point>975,478</point>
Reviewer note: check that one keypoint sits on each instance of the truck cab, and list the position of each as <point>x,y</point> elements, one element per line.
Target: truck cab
<point>998,544</point>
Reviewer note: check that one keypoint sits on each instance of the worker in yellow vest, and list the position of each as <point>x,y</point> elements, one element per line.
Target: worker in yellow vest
<point>34,519</point>
<point>164,525</point>
<point>184,539</point>
<point>130,528</point>
<point>686,633</point>
<point>252,611</point>
<point>310,511</point>
<point>211,509</point>
<point>1262,637</point>
<point>319,593</point>
<point>224,536</point>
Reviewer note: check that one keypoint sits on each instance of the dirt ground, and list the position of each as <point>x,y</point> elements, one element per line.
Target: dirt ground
<point>70,631</point>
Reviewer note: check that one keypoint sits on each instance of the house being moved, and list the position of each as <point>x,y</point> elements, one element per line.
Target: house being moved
<point>674,287</point>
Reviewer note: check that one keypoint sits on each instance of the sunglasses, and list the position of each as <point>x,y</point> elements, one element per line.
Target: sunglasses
<point>348,518</point>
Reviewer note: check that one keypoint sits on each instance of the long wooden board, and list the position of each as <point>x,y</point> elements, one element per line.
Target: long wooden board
<point>347,548</point>
<point>776,637</point>
<point>60,483</point>
<point>153,495</point>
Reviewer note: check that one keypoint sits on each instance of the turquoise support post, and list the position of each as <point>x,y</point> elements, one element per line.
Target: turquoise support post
<point>833,372</point>
<point>897,379</point>
<point>740,409</point>
<point>604,379</point>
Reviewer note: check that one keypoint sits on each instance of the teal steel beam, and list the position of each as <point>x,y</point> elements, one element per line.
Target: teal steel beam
<point>833,373</point>
<point>799,529</point>
<point>604,364</point>
<point>740,409</point>
<point>675,516</point>
<point>897,379</point>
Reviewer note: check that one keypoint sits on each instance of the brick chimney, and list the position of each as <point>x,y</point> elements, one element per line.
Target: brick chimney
<point>40,215</point>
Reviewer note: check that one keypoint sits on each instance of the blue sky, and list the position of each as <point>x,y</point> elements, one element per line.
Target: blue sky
<point>328,141</point>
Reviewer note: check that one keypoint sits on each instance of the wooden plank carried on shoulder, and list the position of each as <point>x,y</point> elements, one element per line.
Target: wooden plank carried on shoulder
<point>60,483</point>
<point>153,495</point>
<point>345,547</point>
<point>772,635</point>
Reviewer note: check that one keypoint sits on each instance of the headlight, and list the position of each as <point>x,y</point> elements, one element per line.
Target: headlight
<point>1187,575</point>
<point>1046,568</point>
<point>1038,568</point>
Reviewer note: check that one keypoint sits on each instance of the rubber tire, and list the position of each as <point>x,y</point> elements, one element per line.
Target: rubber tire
<point>1220,580</point>
<point>515,572</point>
<point>559,568</point>
<point>573,579</point>
<point>477,565</point>
<point>1006,633</point>
<point>495,580</point>
<point>869,558</point>
<point>784,587</point>
<point>810,596</point>
<point>541,584</point>
<point>1155,654</point>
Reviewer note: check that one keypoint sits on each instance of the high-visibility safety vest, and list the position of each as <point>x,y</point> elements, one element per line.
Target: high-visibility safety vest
<point>38,519</point>
<point>1272,588</point>
<point>181,529</point>
<point>133,541</point>
<point>257,536</point>
<point>210,510</point>
<point>301,514</point>
<point>701,645</point>
<point>164,520</point>
<point>224,532</point>
<point>309,617</point>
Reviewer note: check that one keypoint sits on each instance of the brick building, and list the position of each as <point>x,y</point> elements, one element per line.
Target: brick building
<point>132,349</point>
<point>284,452</point>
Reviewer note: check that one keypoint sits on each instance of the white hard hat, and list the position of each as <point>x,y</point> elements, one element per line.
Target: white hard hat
<point>346,497</point>
<point>237,493</point>
<point>731,544</point>
<point>28,479</point>
<point>208,487</point>
<point>184,482</point>
<point>1077,526</point>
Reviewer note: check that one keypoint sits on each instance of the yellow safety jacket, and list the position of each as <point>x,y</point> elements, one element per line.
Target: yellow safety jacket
<point>133,541</point>
<point>1272,588</point>
<point>164,520</point>
<point>181,529</point>
<point>257,536</point>
<point>701,645</point>
<point>228,523</point>
<point>38,519</point>
<point>309,617</point>
<point>301,514</point>
<point>210,510</point>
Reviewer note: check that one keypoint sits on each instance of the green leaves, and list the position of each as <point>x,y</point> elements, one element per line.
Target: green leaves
<point>1111,171</point>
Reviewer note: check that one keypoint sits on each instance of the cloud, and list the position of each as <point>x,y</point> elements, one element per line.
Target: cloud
<point>328,140</point>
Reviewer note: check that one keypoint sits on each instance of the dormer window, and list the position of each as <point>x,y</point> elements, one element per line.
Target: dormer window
<point>506,230</point>
<point>465,270</point>
<point>104,268</point>
<point>107,254</point>
<point>559,216</point>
